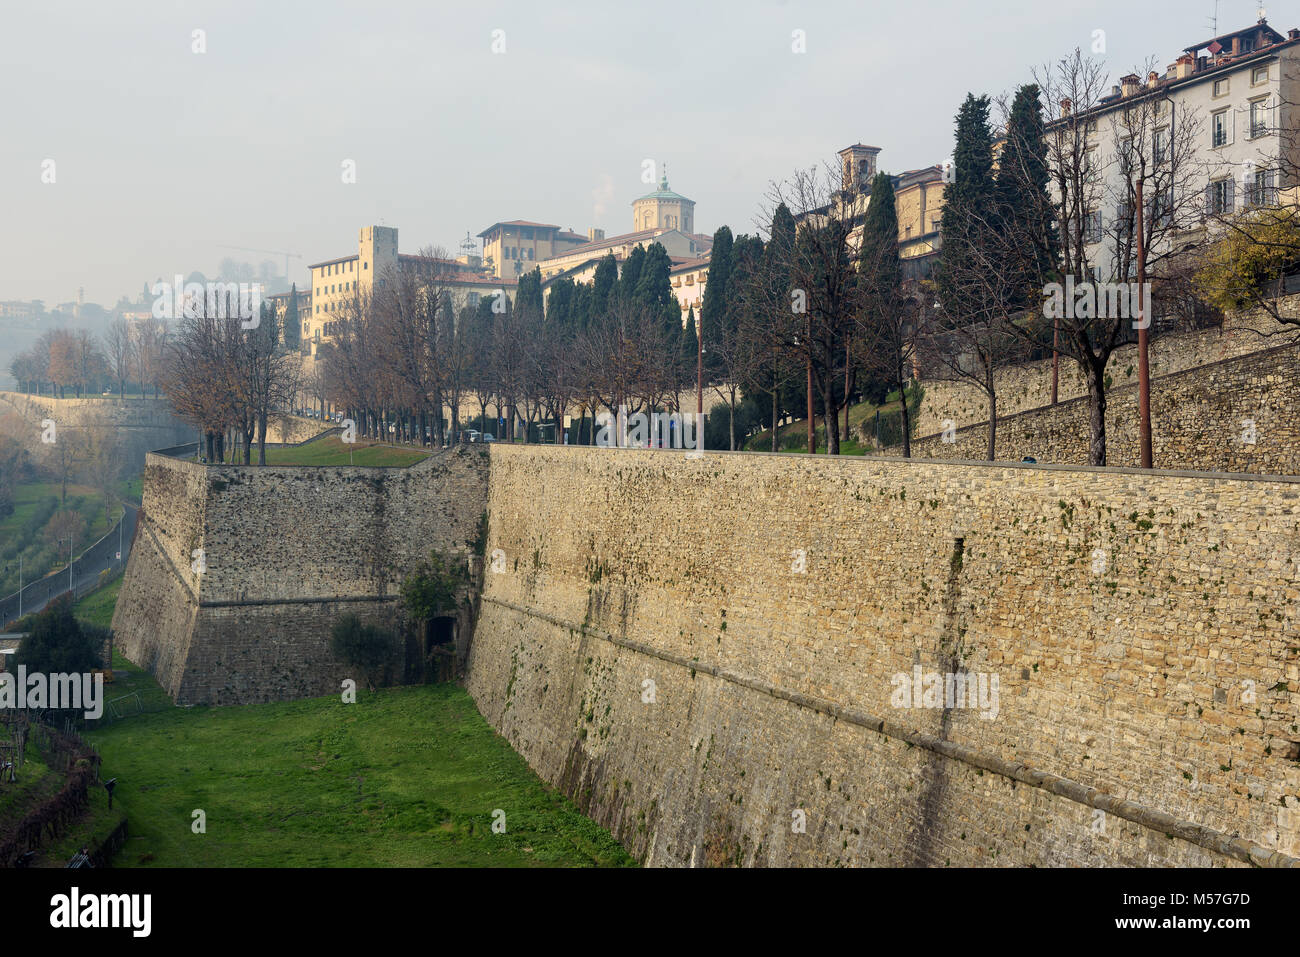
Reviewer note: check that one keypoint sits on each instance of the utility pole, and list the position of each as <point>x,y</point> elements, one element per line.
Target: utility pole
<point>812,427</point>
<point>699,379</point>
<point>1144,369</point>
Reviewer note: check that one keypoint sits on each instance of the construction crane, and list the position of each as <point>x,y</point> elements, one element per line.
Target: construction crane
<point>272,252</point>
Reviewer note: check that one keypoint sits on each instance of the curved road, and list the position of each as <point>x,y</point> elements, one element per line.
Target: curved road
<point>85,570</point>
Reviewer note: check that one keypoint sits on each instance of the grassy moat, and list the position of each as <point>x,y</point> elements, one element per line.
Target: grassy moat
<point>406,777</point>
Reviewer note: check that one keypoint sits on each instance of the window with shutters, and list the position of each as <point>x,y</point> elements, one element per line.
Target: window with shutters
<point>1220,128</point>
<point>1259,117</point>
<point>1092,227</point>
<point>1219,197</point>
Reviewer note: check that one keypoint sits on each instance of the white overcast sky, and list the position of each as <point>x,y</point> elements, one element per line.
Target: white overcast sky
<point>163,154</point>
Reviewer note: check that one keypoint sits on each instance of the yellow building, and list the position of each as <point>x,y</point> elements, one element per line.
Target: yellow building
<point>336,282</point>
<point>663,209</point>
<point>514,248</point>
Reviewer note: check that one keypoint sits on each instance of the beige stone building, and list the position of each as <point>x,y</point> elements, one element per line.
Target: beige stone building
<point>336,282</point>
<point>664,209</point>
<point>514,248</point>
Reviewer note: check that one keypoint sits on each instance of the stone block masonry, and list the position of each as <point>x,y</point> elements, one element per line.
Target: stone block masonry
<point>285,552</point>
<point>1237,415</point>
<point>1029,386</point>
<point>702,654</point>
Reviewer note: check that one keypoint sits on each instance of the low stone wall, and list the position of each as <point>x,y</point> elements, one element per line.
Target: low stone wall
<point>706,655</point>
<point>134,426</point>
<point>1238,415</point>
<point>1029,386</point>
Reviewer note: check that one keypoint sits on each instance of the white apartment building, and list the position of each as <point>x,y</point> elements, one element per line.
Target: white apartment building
<point>1241,91</point>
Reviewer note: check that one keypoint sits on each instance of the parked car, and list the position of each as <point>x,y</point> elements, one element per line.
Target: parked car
<point>488,437</point>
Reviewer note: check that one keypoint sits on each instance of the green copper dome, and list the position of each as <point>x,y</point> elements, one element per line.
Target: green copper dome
<point>663,192</point>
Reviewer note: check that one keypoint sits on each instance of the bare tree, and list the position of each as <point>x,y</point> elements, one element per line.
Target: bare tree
<point>118,349</point>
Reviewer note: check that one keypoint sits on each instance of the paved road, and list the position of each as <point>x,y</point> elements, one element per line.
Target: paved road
<point>85,571</point>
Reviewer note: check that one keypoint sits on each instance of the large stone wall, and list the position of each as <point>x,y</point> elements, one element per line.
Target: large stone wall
<point>285,552</point>
<point>134,425</point>
<point>702,653</point>
<point>1029,386</point>
<point>1238,415</point>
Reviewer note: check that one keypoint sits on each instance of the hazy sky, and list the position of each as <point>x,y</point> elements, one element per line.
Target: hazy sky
<point>162,154</point>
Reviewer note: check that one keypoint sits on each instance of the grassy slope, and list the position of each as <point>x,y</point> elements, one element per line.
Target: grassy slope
<point>41,556</point>
<point>794,435</point>
<point>331,450</point>
<point>404,777</point>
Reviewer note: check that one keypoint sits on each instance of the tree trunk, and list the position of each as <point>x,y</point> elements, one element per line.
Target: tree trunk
<point>731,403</point>
<point>831,419</point>
<point>1096,413</point>
<point>905,417</point>
<point>993,422</point>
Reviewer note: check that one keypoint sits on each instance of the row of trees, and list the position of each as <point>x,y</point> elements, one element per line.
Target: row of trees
<point>405,353</point>
<point>228,377</point>
<point>76,360</point>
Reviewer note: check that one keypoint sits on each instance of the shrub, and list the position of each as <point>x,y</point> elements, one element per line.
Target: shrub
<point>370,649</point>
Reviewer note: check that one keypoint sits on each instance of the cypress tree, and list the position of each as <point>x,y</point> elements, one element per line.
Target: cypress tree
<point>688,354</point>
<point>631,276</point>
<point>721,266</point>
<point>1023,203</point>
<point>292,325</point>
<point>654,289</point>
<point>604,286</point>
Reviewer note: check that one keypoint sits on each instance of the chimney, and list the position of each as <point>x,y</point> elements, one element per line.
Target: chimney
<point>1153,78</point>
<point>1293,34</point>
<point>1130,84</point>
<point>1065,106</point>
<point>1185,66</point>
<point>595,235</point>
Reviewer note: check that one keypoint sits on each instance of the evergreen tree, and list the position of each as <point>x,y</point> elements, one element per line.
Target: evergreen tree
<point>654,290</point>
<point>292,324</point>
<point>688,355</point>
<point>528,294</point>
<point>971,190</point>
<point>1021,193</point>
<point>717,293</point>
<point>885,324</point>
<point>604,286</point>
<point>631,276</point>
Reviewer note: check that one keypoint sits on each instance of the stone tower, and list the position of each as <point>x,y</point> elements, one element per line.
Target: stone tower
<point>663,209</point>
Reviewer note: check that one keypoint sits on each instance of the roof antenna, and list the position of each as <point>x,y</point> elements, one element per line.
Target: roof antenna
<point>1214,20</point>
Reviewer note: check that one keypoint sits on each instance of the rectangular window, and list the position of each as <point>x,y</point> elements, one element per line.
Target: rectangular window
<point>1259,117</point>
<point>1220,128</point>
<point>1221,86</point>
<point>1162,208</point>
<point>1261,187</point>
<point>1092,227</point>
<point>1220,196</point>
<point>1160,145</point>
<point>1259,76</point>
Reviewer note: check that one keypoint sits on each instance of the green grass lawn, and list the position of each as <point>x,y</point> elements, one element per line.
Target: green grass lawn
<point>23,531</point>
<point>97,607</point>
<point>331,450</point>
<point>404,777</point>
